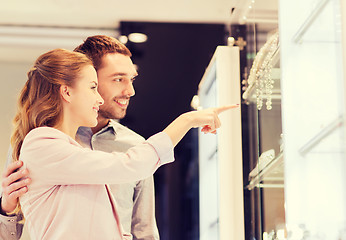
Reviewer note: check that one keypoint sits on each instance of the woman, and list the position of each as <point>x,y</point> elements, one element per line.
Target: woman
<point>69,196</point>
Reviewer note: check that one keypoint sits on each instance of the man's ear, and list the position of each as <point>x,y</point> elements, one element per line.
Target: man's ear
<point>65,92</point>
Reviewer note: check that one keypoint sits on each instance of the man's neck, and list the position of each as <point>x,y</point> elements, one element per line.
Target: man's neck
<point>102,122</point>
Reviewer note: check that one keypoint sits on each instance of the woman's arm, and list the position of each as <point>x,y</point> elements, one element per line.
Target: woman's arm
<point>207,119</point>
<point>52,158</point>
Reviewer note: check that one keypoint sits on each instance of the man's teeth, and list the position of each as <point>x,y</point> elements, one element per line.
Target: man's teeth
<point>122,101</point>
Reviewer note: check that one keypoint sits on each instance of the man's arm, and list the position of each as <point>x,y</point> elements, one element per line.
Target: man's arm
<point>14,184</point>
<point>143,217</point>
<point>10,228</point>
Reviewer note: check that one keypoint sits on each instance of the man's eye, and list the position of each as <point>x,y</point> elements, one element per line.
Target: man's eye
<point>117,80</point>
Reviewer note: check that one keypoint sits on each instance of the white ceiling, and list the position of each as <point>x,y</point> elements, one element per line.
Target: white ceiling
<point>107,13</point>
<point>26,43</point>
<point>20,42</point>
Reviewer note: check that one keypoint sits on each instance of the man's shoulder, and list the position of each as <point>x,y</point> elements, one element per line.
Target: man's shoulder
<point>122,130</point>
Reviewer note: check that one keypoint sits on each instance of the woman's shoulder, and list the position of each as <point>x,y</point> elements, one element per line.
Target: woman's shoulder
<point>41,133</point>
<point>40,140</point>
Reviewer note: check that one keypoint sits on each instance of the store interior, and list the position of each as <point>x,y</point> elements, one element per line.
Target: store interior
<point>289,132</point>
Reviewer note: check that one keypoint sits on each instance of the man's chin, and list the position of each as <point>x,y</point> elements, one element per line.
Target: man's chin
<point>113,115</point>
<point>120,114</point>
<point>119,117</point>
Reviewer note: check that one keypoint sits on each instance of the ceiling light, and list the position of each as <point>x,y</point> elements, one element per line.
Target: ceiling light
<point>138,37</point>
<point>123,39</point>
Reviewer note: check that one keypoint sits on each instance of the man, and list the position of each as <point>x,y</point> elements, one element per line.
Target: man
<point>136,206</point>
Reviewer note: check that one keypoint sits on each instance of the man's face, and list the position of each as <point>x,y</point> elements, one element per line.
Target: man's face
<point>115,76</point>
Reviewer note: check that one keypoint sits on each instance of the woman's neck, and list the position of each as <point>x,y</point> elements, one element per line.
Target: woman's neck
<point>68,129</point>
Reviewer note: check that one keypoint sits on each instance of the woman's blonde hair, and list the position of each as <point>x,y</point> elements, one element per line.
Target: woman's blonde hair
<point>39,103</point>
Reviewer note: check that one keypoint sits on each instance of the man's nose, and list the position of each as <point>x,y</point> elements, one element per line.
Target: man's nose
<point>130,90</point>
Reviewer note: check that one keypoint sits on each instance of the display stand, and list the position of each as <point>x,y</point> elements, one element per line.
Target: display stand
<point>220,155</point>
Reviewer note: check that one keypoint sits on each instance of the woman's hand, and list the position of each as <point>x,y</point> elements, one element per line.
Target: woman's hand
<point>208,119</point>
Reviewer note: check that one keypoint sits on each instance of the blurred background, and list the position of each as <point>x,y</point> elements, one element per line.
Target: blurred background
<point>180,38</point>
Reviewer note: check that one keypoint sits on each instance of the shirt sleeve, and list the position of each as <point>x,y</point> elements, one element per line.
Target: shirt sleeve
<point>11,227</point>
<point>52,159</point>
<point>143,225</point>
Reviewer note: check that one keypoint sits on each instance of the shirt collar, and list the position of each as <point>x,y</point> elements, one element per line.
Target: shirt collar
<point>114,124</point>
<point>111,126</point>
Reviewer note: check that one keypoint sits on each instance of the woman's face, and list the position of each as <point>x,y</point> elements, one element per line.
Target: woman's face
<point>85,99</point>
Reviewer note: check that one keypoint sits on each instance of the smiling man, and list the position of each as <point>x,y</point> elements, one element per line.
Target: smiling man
<point>135,201</point>
<point>117,74</point>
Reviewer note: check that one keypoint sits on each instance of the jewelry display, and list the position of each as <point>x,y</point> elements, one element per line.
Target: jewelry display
<point>261,72</point>
<point>263,161</point>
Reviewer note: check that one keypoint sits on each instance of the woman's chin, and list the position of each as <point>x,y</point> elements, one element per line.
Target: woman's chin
<point>91,123</point>
<point>94,124</point>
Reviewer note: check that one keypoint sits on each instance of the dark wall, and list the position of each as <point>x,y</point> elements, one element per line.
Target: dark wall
<point>170,65</point>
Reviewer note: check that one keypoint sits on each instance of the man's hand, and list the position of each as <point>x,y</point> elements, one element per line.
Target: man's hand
<point>14,185</point>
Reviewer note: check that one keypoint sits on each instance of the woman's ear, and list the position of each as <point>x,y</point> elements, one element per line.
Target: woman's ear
<point>65,92</point>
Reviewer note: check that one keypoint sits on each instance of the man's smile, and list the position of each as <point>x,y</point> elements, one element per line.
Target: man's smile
<point>122,102</point>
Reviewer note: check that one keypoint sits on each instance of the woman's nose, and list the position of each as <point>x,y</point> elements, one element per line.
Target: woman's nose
<point>100,99</point>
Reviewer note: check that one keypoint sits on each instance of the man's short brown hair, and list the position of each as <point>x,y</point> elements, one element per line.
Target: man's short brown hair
<point>95,47</point>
